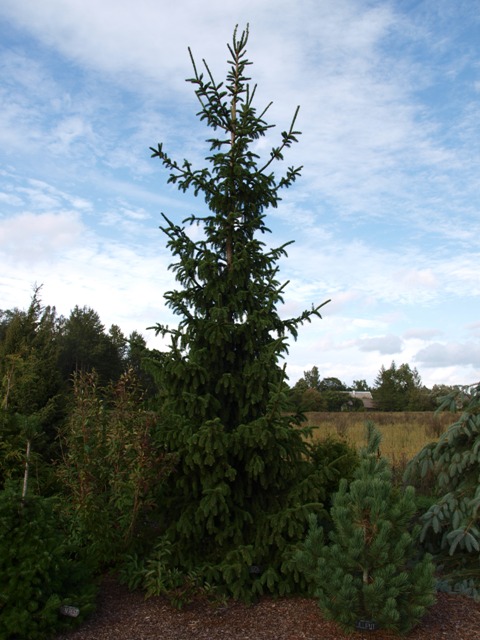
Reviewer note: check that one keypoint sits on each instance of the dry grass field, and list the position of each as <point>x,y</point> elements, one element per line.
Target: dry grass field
<point>403,433</point>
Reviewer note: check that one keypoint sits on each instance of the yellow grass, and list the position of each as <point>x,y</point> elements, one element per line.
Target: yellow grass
<point>403,433</point>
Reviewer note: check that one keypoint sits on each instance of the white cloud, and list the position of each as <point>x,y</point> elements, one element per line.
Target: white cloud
<point>474,327</point>
<point>421,334</point>
<point>385,217</point>
<point>28,237</point>
<point>418,278</point>
<point>124,217</point>
<point>68,131</point>
<point>383,344</point>
<point>446,355</point>
<point>360,116</point>
<point>10,199</point>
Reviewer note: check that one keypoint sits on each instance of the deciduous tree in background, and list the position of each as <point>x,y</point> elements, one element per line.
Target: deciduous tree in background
<point>240,492</point>
<point>113,465</point>
<point>360,385</point>
<point>399,389</point>
<point>311,393</point>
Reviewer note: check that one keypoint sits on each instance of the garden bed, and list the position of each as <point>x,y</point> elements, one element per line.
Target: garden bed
<point>125,615</point>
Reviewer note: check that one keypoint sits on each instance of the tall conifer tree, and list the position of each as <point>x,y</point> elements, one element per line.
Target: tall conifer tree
<point>243,486</point>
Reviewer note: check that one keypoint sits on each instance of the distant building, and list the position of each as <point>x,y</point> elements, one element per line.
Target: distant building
<point>365,397</point>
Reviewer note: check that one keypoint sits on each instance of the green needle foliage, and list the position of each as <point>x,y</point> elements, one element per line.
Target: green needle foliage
<point>244,484</point>
<point>369,571</point>
<point>39,572</point>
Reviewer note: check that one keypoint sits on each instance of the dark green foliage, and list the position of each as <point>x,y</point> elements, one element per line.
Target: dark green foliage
<point>38,571</point>
<point>138,360</point>
<point>239,499</point>
<point>224,353</point>
<point>326,400</point>
<point>451,526</point>
<point>30,388</point>
<point>311,379</point>
<point>156,575</point>
<point>332,384</point>
<point>311,393</point>
<point>85,346</point>
<point>400,389</point>
<point>39,352</point>
<point>369,570</point>
<point>28,359</point>
<point>360,385</point>
<point>304,399</point>
<point>336,459</point>
<point>438,393</point>
<point>243,484</point>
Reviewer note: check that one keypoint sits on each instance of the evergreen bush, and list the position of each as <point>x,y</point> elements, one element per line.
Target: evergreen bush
<point>369,570</point>
<point>451,524</point>
<point>39,573</point>
<point>336,459</point>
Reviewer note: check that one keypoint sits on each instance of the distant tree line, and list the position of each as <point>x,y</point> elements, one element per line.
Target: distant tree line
<point>396,388</point>
<point>40,352</point>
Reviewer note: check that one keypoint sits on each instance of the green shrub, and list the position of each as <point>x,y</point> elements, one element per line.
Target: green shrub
<point>38,572</point>
<point>337,458</point>
<point>112,466</point>
<point>451,521</point>
<point>369,571</point>
<point>155,575</point>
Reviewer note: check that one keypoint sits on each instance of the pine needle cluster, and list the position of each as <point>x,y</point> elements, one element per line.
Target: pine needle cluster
<point>367,571</point>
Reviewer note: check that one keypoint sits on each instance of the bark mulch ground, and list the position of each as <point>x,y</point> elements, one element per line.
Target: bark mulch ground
<point>125,615</point>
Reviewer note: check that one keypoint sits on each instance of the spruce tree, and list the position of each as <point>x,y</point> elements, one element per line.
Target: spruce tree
<point>369,573</point>
<point>243,485</point>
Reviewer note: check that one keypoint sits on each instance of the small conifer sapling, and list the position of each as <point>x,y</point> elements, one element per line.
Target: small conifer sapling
<point>369,570</point>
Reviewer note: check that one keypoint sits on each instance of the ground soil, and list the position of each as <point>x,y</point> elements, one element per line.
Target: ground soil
<point>125,615</point>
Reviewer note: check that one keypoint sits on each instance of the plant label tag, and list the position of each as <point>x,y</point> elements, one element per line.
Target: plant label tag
<point>365,625</point>
<point>67,610</point>
<point>254,569</point>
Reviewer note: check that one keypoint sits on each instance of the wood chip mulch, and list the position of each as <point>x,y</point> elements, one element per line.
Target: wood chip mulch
<point>125,615</point>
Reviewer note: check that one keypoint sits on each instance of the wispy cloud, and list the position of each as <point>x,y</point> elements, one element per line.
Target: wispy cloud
<point>385,216</point>
<point>31,238</point>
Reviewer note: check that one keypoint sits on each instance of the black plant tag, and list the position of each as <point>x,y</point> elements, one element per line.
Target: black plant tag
<point>366,625</point>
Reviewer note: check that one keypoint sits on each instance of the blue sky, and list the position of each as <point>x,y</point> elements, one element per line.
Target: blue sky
<point>385,218</point>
